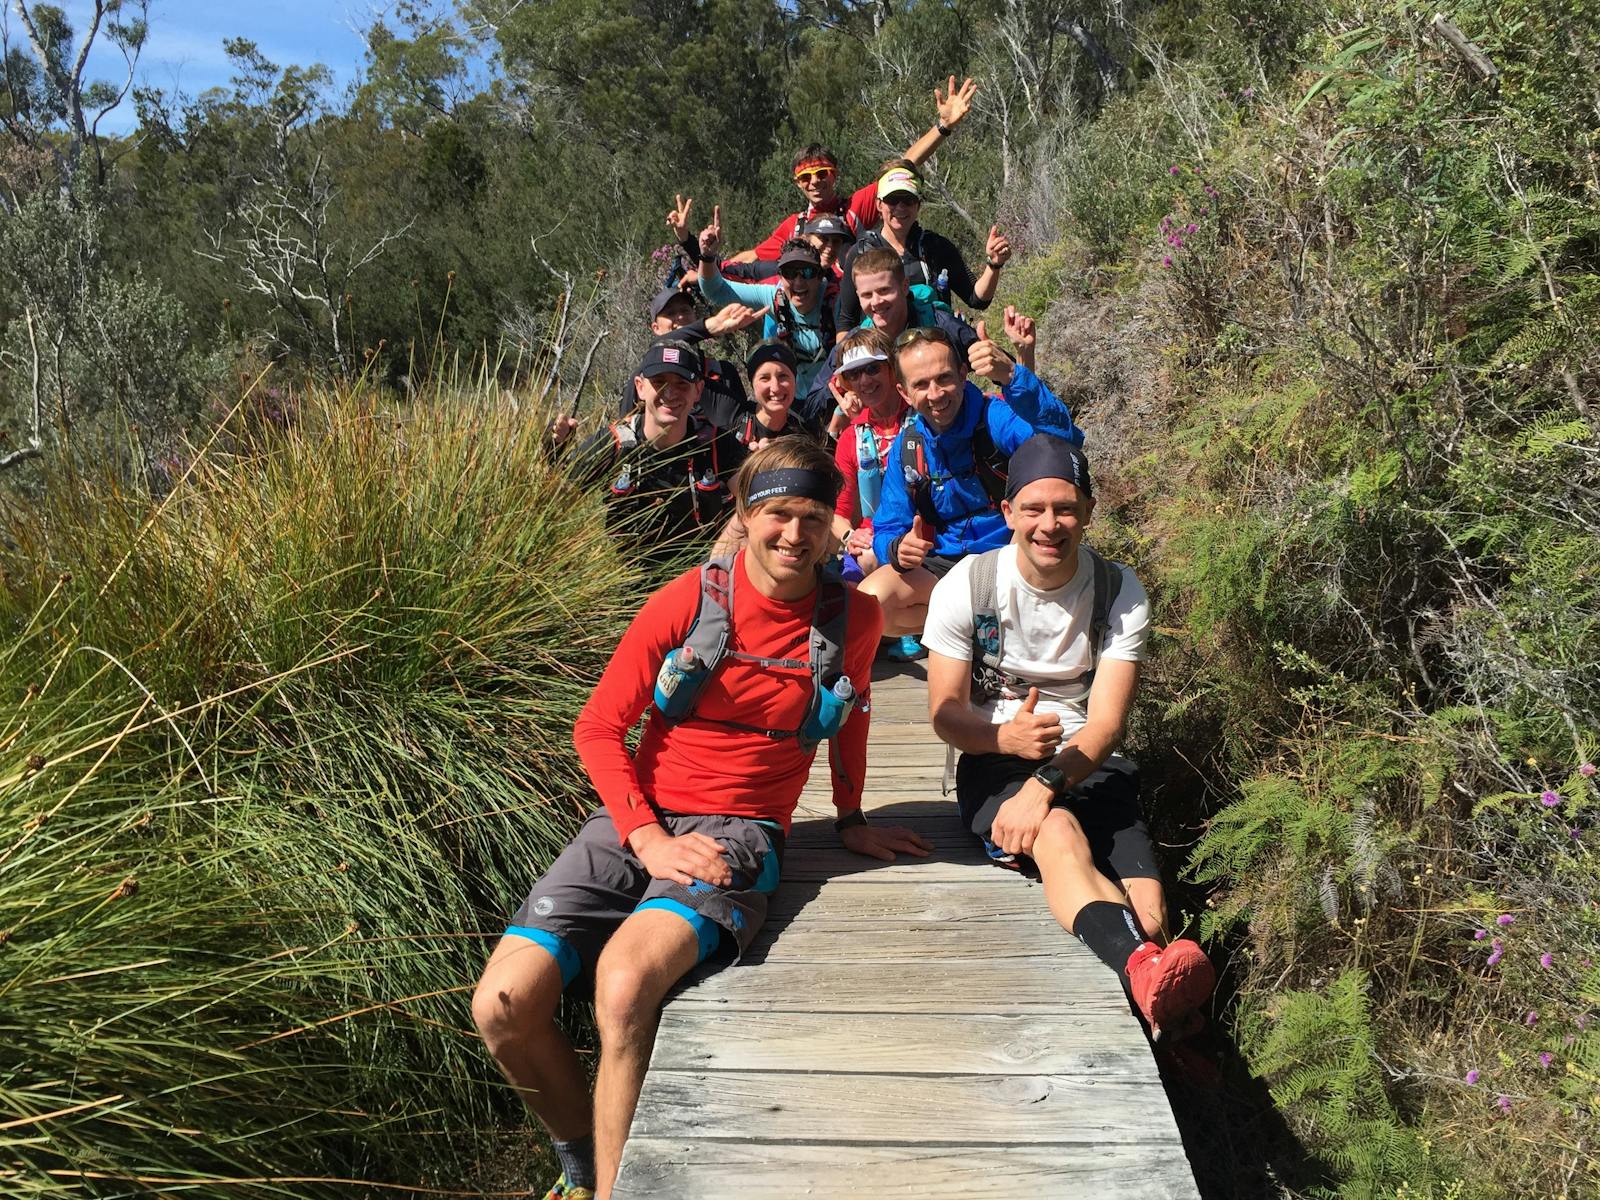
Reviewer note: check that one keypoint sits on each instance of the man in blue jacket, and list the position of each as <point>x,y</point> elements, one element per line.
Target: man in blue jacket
<point>945,473</point>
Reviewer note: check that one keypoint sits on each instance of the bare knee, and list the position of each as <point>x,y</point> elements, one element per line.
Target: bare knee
<point>626,999</point>
<point>517,994</point>
<point>1061,837</point>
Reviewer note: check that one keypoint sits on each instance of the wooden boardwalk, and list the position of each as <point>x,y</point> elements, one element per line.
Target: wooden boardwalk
<point>921,1029</point>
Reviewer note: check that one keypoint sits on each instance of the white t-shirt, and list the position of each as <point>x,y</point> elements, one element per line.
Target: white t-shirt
<point>1044,634</point>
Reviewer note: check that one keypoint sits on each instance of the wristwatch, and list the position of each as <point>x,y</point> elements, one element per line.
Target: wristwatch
<point>994,266</point>
<point>944,130</point>
<point>851,819</point>
<point>1053,777</point>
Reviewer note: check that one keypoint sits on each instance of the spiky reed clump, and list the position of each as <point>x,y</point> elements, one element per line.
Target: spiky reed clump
<point>276,754</point>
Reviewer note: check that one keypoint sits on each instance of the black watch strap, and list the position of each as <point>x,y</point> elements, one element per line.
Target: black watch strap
<point>1053,777</point>
<point>850,820</point>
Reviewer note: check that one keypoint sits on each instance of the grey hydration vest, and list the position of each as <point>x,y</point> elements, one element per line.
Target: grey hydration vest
<point>712,630</point>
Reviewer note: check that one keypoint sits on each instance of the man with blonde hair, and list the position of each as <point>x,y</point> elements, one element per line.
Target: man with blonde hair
<point>745,664</point>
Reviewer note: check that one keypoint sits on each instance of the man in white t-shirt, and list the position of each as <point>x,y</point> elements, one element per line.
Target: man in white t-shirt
<point>1033,661</point>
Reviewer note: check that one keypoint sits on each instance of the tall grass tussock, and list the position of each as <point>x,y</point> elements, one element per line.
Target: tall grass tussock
<point>277,750</point>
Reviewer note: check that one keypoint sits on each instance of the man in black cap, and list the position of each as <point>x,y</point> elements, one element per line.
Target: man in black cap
<point>832,237</point>
<point>672,316</point>
<point>666,468</point>
<point>1033,661</point>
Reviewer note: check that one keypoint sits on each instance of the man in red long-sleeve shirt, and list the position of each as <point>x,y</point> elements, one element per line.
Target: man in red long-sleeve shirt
<point>816,174</point>
<point>687,847</point>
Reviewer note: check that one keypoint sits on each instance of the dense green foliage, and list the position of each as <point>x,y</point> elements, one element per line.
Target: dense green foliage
<point>1328,300</point>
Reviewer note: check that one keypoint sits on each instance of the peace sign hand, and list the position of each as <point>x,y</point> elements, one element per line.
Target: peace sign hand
<point>678,216</point>
<point>711,235</point>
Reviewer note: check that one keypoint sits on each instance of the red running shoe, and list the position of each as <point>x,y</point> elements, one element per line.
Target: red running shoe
<point>1169,982</point>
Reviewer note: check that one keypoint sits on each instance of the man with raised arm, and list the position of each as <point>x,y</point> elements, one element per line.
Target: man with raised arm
<point>678,864</point>
<point>1033,661</point>
<point>945,475</point>
<point>816,174</point>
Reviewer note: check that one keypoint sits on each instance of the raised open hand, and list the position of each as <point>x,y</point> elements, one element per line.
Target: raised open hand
<point>956,103</point>
<point>733,318</point>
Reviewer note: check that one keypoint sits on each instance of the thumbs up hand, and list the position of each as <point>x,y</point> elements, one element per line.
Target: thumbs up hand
<point>987,359</point>
<point>1030,734</point>
<point>915,546</point>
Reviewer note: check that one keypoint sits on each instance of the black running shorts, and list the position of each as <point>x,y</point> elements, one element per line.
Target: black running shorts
<point>596,883</point>
<point>1106,805</point>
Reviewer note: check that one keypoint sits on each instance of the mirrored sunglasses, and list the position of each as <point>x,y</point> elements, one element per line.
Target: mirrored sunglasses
<point>793,273</point>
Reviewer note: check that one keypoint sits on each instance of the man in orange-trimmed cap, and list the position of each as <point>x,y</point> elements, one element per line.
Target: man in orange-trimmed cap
<point>816,174</point>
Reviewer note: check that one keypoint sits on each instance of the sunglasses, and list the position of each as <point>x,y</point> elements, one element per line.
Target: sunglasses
<point>924,333</point>
<point>854,373</point>
<point>793,273</point>
<point>820,174</point>
<point>901,200</point>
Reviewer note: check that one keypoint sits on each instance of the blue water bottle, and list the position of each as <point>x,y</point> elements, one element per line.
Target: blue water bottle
<point>942,285</point>
<point>837,701</point>
<point>677,682</point>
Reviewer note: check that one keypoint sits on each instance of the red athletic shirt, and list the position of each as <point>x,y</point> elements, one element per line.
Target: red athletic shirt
<point>860,211</point>
<point>844,454</point>
<point>700,767</point>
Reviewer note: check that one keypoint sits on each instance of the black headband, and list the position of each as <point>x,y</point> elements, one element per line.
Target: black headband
<point>1047,456</point>
<point>791,481</point>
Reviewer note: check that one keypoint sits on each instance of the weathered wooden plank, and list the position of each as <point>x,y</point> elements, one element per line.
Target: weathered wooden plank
<point>1081,1043</point>
<point>868,899</point>
<point>909,1109</point>
<point>845,941</point>
<point>954,866</point>
<point>1068,983</point>
<point>692,1167</point>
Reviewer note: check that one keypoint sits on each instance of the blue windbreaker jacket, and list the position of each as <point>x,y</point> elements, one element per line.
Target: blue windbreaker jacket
<point>971,524</point>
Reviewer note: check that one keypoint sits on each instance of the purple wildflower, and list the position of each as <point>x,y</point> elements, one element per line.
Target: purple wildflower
<point>1545,1060</point>
<point>1505,1104</point>
<point>1532,1018</point>
<point>1497,948</point>
<point>1549,799</point>
<point>1583,1020</point>
<point>1173,170</point>
<point>1190,227</point>
<point>1472,1077</point>
<point>1479,934</point>
<point>1166,260</point>
<point>1504,919</point>
<point>1547,960</point>
<point>1587,770</point>
<point>1249,93</point>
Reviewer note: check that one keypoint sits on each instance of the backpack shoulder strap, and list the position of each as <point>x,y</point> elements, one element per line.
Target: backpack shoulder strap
<point>918,477</point>
<point>1107,584</point>
<point>713,622</point>
<point>988,634</point>
<point>987,460</point>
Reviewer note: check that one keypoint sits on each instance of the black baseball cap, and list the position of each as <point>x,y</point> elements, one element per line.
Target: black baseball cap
<point>800,254</point>
<point>829,225</point>
<point>672,358</point>
<point>665,297</point>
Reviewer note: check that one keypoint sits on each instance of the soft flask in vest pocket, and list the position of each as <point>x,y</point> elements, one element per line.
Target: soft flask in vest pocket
<point>832,710</point>
<point>678,681</point>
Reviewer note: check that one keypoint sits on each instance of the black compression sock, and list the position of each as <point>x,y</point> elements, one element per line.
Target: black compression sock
<point>1111,932</point>
<point>577,1161</point>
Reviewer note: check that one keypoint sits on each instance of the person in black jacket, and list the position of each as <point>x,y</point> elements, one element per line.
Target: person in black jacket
<point>928,257</point>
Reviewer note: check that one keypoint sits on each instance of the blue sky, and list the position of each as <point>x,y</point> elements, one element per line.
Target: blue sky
<point>184,51</point>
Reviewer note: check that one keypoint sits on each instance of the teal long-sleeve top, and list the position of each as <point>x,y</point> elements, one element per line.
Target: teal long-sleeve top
<point>809,341</point>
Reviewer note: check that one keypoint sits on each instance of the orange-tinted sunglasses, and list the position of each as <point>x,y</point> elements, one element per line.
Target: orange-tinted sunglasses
<point>817,173</point>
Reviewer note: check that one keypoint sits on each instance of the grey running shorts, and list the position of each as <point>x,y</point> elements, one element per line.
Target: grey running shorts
<point>597,882</point>
<point>1106,805</point>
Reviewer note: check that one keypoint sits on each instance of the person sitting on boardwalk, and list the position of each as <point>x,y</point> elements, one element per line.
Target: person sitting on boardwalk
<point>798,308</point>
<point>1033,659</point>
<point>667,469</point>
<point>944,478</point>
<point>892,305</point>
<point>928,257</point>
<point>816,174</point>
<point>874,409</point>
<point>682,857</point>
<point>771,367</point>
<point>723,401</point>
